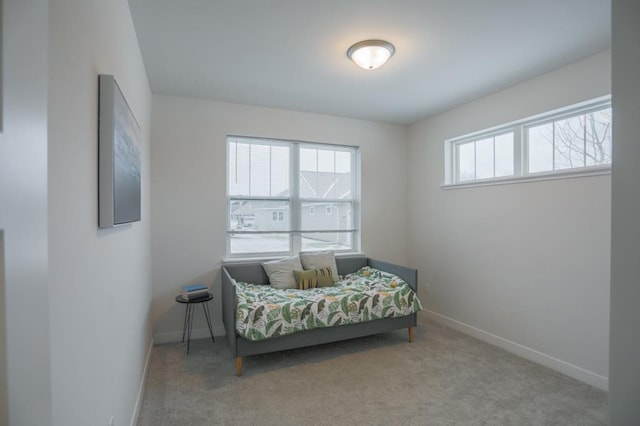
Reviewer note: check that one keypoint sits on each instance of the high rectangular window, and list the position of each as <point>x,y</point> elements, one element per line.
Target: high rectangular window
<point>274,189</point>
<point>485,158</point>
<point>576,139</point>
<point>581,140</point>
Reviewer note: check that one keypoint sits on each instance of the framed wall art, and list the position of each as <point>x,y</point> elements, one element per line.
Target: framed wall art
<point>119,163</point>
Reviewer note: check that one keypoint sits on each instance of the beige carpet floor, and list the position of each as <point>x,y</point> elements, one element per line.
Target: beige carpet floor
<point>443,378</point>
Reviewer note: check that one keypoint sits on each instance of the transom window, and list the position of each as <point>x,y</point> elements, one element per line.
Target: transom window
<point>274,188</point>
<point>489,157</point>
<point>581,140</point>
<point>573,140</point>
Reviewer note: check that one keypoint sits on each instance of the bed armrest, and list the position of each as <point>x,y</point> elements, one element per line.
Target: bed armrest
<point>229,309</point>
<point>408,274</point>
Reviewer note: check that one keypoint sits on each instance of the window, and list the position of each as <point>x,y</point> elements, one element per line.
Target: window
<point>581,140</point>
<point>572,140</point>
<point>485,158</point>
<point>274,188</point>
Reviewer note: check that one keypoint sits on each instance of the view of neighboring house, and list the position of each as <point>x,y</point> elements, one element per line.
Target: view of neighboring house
<point>267,216</point>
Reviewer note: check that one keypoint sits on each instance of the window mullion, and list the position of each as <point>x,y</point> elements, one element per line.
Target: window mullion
<point>295,207</point>
<point>520,153</point>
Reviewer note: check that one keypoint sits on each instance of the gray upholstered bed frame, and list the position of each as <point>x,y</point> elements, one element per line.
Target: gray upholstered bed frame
<point>254,273</point>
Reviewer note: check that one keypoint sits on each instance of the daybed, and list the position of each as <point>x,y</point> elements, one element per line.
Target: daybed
<point>254,273</point>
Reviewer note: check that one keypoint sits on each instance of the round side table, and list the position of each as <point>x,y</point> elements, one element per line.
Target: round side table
<point>188,316</point>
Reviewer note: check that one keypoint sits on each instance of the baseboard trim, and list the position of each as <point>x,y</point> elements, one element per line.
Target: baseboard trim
<point>143,380</point>
<point>538,357</point>
<point>176,336</point>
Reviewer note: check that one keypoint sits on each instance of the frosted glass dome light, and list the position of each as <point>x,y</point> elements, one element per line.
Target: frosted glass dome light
<point>371,54</point>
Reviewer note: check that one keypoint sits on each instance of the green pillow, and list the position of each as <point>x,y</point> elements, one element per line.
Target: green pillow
<point>306,279</point>
<point>325,277</point>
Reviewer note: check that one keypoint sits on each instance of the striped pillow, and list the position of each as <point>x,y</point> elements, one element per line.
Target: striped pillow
<point>325,277</point>
<point>306,279</point>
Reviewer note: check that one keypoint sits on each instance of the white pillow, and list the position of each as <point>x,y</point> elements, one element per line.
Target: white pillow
<point>280,272</point>
<point>320,259</point>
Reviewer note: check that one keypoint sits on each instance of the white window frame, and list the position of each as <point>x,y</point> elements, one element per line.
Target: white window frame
<point>456,149</point>
<point>520,148</point>
<point>295,201</point>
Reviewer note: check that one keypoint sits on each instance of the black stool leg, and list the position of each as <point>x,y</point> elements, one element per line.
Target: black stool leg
<point>184,325</point>
<point>205,308</point>
<point>190,308</point>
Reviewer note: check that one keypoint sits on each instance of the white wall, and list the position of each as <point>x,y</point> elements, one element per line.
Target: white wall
<point>189,191</point>
<point>4,389</point>
<point>524,266</point>
<point>100,280</point>
<point>624,389</point>
<point>23,212</point>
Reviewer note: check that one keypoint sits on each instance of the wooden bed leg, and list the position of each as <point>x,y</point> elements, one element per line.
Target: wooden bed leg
<point>410,334</point>
<point>239,366</point>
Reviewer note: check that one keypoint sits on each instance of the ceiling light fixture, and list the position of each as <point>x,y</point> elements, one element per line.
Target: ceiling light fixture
<point>371,54</point>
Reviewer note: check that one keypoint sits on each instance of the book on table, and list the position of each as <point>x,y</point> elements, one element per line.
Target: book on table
<point>194,291</point>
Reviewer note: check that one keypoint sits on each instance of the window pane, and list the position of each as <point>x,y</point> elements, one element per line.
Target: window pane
<point>326,161</point>
<point>466,162</point>
<point>484,158</point>
<point>540,148</point>
<point>343,162</point>
<point>598,137</point>
<point>258,170</point>
<point>259,243</point>
<point>504,155</point>
<point>238,175</point>
<point>325,174</point>
<point>326,216</point>
<point>327,241</point>
<point>279,171</point>
<point>569,143</point>
<point>259,215</point>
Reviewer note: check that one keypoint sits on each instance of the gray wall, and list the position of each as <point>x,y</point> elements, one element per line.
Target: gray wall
<point>77,299</point>
<point>523,266</point>
<point>23,211</point>
<point>99,280</point>
<point>4,394</point>
<point>4,391</point>
<point>624,390</point>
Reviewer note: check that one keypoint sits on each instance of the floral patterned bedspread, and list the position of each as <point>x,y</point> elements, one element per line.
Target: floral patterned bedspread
<point>263,312</point>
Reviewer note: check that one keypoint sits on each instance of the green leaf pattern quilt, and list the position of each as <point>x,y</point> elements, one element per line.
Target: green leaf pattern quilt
<point>263,312</point>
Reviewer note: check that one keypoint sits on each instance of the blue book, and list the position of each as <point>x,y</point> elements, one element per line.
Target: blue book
<point>193,287</point>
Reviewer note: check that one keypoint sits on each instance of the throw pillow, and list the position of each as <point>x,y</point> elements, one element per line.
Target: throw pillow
<point>306,279</point>
<point>320,259</point>
<point>280,272</point>
<point>324,277</point>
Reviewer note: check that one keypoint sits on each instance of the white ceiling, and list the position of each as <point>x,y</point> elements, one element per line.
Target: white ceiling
<point>291,54</point>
